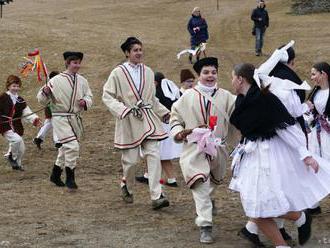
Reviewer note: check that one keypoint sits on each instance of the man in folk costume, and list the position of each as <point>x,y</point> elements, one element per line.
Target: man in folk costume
<point>69,94</point>
<point>14,109</point>
<point>196,108</point>
<point>129,94</point>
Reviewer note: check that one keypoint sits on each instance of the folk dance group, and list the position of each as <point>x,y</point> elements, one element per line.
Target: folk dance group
<point>279,168</point>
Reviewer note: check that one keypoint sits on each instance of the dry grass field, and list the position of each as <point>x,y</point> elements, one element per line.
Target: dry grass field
<point>34,213</point>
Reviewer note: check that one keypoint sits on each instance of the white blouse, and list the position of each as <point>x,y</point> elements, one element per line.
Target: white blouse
<point>320,100</point>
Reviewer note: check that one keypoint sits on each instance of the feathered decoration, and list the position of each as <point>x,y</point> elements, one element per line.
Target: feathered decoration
<point>25,68</point>
<point>38,65</point>
<point>196,51</point>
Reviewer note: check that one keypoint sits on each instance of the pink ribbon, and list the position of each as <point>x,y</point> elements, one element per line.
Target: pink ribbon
<point>205,139</point>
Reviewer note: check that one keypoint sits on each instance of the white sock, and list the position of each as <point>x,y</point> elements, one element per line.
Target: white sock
<point>123,182</point>
<point>146,175</point>
<point>171,180</point>
<point>283,246</point>
<point>252,227</point>
<point>279,223</point>
<point>301,220</point>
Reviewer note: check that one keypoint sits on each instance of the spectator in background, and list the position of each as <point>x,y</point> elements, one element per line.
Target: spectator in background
<point>261,22</point>
<point>197,28</point>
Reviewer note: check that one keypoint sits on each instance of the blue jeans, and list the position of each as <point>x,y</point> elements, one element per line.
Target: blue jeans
<point>259,39</point>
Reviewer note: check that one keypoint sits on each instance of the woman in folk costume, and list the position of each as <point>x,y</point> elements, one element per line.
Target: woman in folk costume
<point>187,80</point>
<point>206,106</point>
<point>47,125</point>
<point>70,95</point>
<point>269,166</point>
<point>14,109</point>
<point>167,92</point>
<point>319,138</point>
<point>290,89</point>
<point>130,96</point>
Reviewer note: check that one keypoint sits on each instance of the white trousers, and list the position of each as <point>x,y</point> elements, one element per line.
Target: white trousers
<point>46,127</point>
<point>131,157</point>
<point>202,196</point>
<point>68,155</point>
<point>16,145</point>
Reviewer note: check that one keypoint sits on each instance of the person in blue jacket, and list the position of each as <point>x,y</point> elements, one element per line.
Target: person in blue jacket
<point>197,27</point>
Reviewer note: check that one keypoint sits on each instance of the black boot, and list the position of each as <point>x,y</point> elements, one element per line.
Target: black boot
<point>37,142</point>
<point>55,177</point>
<point>70,182</point>
<point>304,232</point>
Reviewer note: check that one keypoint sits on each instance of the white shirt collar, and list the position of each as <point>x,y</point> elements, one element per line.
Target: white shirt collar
<point>133,66</point>
<point>13,97</point>
<point>206,89</point>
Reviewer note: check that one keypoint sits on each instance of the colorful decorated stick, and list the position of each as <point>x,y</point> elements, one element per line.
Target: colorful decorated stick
<point>38,65</point>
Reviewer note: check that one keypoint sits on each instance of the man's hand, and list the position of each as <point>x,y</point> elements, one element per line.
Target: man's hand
<point>182,136</point>
<point>82,103</point>
<point>37,122</point>
<point>46,90</point>
<point>311,162</point>
<point>166,118</point>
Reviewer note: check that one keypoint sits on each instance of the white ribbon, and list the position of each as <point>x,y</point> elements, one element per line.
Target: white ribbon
<point>279,55</point>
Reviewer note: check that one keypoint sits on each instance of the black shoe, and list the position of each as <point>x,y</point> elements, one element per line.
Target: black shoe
<point>258,54</point>
<point>206,235</point>
<point>253,238</point>
<point>37,142</point>
<point>55,177</point>
<point>70,181</point>
<point>174,184</point>
<point>162,202</point>
<point>58,145</point>
<point>127,197</point>
<point>285,235</point>
<point>142,179</point>
<point>14,164</point>
<point>314,211</point>
<point>304,232</point>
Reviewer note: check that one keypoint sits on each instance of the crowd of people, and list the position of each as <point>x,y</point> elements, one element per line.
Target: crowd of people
<point>281,163</point>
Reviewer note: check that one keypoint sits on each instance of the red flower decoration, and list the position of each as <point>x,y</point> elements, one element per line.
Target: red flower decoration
<point>162,181</point>
<point>213,121</point>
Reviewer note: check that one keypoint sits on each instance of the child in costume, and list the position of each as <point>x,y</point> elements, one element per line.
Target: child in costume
<point>14,109</point>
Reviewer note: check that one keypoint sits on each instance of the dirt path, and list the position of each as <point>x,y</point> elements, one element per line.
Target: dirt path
<point>33,213</point>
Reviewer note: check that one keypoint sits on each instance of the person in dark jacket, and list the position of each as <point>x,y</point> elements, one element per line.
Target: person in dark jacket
<point>198,30</point>
<point>261,22</point>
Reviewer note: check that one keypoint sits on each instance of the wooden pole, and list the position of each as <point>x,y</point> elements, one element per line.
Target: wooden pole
<point>217,4</point>
<point>1,11</point>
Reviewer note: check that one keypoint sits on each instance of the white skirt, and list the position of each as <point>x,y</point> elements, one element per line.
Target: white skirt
<point>168,148</point>
<point>314,147</point>
<point>272,180</point>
